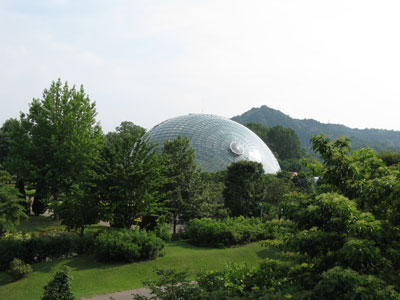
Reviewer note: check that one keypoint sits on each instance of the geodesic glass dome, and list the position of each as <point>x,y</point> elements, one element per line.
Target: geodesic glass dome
<point>217,141</point>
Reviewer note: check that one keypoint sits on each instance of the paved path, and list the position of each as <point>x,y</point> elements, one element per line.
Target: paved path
<point>125,295</point>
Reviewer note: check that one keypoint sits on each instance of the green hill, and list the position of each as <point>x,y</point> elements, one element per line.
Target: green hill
<point>378,139</point>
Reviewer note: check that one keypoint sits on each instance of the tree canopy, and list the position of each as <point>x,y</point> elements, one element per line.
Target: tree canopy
<point>57,141</point>
<point>180,171</point>
<point>129,174</point>
<point>283,142</point>
<point>244,188</point>
<point>11,212</point>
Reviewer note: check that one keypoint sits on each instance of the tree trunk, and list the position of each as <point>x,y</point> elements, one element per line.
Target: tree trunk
<point>174,231</point>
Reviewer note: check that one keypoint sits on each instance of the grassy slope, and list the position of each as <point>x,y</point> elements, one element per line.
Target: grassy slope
<point>37,224</point>
<point>90,277</point>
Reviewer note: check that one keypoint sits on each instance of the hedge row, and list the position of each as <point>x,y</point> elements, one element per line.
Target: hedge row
<point>108,245</point>
<point>227,232</point>
<point>37,249</point>
<point>127,245</point>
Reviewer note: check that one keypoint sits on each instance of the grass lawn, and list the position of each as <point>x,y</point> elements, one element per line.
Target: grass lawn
<point>91,277</point>
<point>38,224</point>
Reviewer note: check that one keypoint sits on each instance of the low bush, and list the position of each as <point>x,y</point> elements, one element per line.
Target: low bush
<point>19,269</point>
<point>227,232</point>
<point>171,285</point>
<point>37,249</point>
<point>163,232</point>
<point>127,245</point>
<point>59,288</point>
<point>85,244</point>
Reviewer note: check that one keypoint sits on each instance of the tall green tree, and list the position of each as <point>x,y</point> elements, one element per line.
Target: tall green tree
<point>10,132</point>
<point>6,130</point>
<point>283,142</point>
<point>345,232</point>
<point>129,174</point>
<point>16,151</point>
<point>58,139</point>
<point>80,207</point>
<point>210,193</point>
<point>180,171</point>
<point>11,212</point>
<point>244,188</point>
<point>389,157</point>
<point>275,187</point>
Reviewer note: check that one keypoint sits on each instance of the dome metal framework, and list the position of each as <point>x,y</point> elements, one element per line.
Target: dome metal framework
<point>217,141</point>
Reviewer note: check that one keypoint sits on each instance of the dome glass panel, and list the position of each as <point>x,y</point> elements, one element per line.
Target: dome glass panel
<point>217,141</point>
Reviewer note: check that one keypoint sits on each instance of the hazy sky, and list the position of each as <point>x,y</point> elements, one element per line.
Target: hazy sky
<point>146,61</point>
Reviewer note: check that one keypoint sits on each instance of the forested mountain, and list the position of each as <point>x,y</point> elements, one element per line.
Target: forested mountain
<point>378,139</point>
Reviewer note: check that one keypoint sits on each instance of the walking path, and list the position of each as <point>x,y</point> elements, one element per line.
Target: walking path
<point>124,295</point>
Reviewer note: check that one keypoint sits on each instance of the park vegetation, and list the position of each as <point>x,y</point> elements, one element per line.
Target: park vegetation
<point>335,221</point>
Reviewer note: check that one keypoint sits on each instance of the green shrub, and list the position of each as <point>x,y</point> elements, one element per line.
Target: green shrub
<point>37,249</point>
<point>227,232</point>
<point>84,244</point>
<point>59,288</point>
<point>339,283</point>
<point>163,232</point>
<point>171,285</point>
<point>10,248</point>
<point>127,245</point>
<point>19,269</point>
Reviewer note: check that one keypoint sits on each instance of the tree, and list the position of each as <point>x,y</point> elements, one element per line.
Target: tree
<point>244,189</point>
<point>80,207</point>
<point>11,212</point>
<point>345,233</point>
<point>128,176</point>
<point>6,130</point>
<point>210,187</point>
<point>275,188</point>
<point>180,171</point>
<point>127,131</point>
<point>14,155</point>
<point>389,157</point>
<point>283,142</point>
<point>361,176</point>
<point>58,140</point>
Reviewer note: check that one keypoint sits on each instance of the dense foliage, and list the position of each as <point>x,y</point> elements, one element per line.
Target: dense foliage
<point>272,279</point>
<point>339,240</point>
<point>19,269</point>
<point>169,286</point>
<point>11,211</point>
<point>38,249</point>
<point>283,142</point>
<point>180,170</point>
<point>244,188</point>
<point>227,232</point>
<point>126,245</point>
<point>389,157</point>
<point>59,288</point>
<point>55,144</point>
<point>347,231</point>
<point>6,130</point>
<point>128,176</point>
<point>80,207</point>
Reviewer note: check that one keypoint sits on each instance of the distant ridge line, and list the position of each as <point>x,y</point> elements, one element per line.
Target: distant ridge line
<point>379,139</point>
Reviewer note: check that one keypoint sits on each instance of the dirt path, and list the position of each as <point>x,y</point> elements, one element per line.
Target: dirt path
<point>124,295</point>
